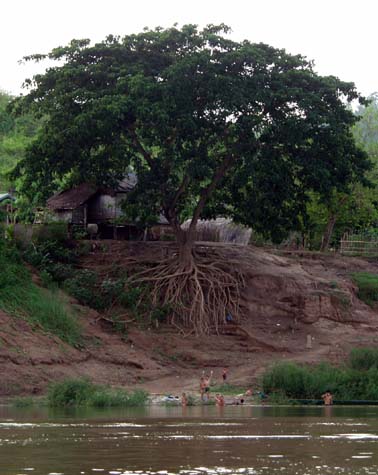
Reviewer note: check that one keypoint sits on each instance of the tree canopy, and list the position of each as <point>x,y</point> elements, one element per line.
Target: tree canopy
<point>15,135</point>
<point>211,126</point>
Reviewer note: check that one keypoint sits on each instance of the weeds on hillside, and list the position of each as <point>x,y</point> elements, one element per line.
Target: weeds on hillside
<point>82,392</point>
<point>56,260</point>
<point>20,297</point>
<point>357,380</point>
<point>367,284</point>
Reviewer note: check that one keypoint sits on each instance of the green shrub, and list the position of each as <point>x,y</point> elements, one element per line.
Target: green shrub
<point>23,402</point>
<point>367,284</point>
<point>71,392</point>
<point>286,377</point>
<point>82,286</point>
<point>81,392</point>
<point>57,232</point>
<point>310,382</point>
<point>363,358</point>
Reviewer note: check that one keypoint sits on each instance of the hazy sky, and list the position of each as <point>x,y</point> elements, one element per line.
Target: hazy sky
<point>339,35</point>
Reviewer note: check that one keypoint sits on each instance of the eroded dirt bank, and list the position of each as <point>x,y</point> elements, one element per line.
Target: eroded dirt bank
<point>300,307</point>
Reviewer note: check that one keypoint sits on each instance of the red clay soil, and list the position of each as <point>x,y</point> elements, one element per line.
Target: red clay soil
<point>300,307</point>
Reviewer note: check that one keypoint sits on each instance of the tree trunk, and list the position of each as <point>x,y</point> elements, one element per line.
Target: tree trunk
<point>185,239</point>
<point>328,232</point>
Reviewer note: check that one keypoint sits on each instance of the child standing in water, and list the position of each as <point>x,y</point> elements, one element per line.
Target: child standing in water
<point>219,400</point>
<point>184,400</point>
<point>327,398</point>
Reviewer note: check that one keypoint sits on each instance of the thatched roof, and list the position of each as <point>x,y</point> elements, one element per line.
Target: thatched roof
<point>221,230</point>
<point>73,198</point>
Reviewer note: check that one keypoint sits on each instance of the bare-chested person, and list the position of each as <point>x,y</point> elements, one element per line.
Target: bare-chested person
<point>205,382</point>
<point>327,398</point>
<point>184,400</point>
<point>219,400</point>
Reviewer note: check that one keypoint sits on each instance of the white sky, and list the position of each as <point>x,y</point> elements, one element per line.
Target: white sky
<point>340,35</point>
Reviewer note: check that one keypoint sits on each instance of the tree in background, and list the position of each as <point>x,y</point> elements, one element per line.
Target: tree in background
<point>15,135</point>
<point>212,127</point>
<point>330,216</point>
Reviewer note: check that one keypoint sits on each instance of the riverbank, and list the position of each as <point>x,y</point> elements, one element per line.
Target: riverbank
<point>302,308</point>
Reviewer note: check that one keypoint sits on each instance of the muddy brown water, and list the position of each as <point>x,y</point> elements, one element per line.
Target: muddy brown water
<point>190,441</point>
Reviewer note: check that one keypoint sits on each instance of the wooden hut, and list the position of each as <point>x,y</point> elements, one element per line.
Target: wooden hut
<point>87,204</point>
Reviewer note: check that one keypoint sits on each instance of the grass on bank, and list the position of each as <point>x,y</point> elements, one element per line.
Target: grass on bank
<point>367,284</point>
<point>43,308</point>
<point>358,379</point>
<point>227,389</point>
<point>82,392</point>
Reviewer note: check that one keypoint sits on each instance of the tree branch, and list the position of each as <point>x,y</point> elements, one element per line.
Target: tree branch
<point>146,155</point>
<point>180,191</point>
<point>206,192</point>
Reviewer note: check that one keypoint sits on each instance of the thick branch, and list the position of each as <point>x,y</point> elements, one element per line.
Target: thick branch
<point>206,192</point>
<point>146,155</point>
<point>180,191</point>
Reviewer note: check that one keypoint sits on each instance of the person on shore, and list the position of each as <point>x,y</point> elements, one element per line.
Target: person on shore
<point>205,382</point>
<point>224,375</point>
<point>219,399</point>
<point>327,398</point>
<point>249,393</point>
<point>262,396</point>
<point>202,387</point>
<point>184,400</point>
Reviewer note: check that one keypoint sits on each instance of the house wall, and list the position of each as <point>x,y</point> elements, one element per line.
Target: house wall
<point>105,208</point>
<point>64,216</point>
<point>79,215</point>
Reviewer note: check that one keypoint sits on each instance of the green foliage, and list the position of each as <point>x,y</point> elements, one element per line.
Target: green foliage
<point>367,286</point>
<point>363,358</point>
<point>56,262</point>
<point>212,127</point>
<point>71,392</point>
<point>359,380</point>
<point>358,208</point>
<point>228,389</point>
<point>81,392</point>
<point>21,298</point>
<point>15,135</point>
<point>23,402</point>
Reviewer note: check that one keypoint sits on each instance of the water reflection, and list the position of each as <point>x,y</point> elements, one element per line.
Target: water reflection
<point>190,440</point>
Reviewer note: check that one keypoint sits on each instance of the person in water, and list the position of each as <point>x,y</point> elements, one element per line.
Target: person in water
<point>184,400</point>
<point>219,399</point>
<point>327,398</point>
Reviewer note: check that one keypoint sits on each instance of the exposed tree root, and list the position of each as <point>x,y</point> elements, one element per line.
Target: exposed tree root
<point>200,290</point>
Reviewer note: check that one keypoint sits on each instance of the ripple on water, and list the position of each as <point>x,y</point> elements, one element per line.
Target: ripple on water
<point>258,436</point>
<point>354,436</point>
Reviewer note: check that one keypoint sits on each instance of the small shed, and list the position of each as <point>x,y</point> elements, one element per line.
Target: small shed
<point>71,206</point>
<point>87,204</point>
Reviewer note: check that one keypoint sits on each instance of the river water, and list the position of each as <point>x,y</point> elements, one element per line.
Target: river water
<point>193,440</point>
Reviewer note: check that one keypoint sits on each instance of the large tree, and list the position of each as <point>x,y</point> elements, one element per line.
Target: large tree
<point>211,127</point>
